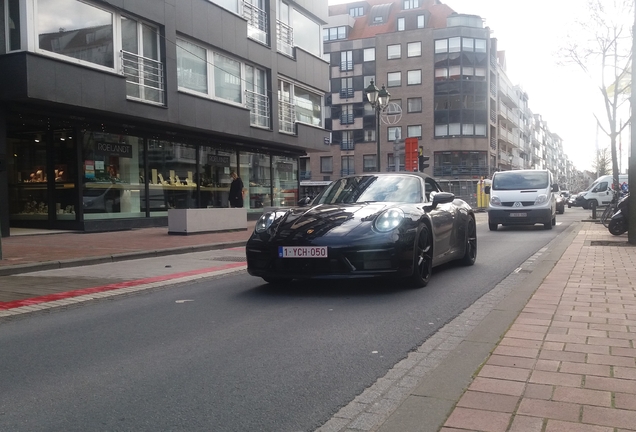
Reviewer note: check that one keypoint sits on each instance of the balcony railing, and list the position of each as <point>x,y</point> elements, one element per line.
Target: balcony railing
<point>286,117</point>
<point>347,145</point>
<point>256,22</point>
<point>346,65</point>
<point>144,78</point>
<point>259,108</point>
<point>346,118</point>
<point>284,38</point>
<point>346,93</point>
<point>305,175</point>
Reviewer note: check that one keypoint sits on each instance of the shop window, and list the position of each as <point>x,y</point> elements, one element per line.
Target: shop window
<point>256,168</point>
<point>285,184</point>
<point>113,176</point>
<point>215,167</point>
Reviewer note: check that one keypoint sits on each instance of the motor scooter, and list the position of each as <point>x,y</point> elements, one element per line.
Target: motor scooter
<point>618,224</point>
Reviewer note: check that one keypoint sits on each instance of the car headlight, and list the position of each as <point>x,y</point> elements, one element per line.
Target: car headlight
<point>494,200</point>
<point>389,220</point>
<point>264,222</point>
<point>541,199</point>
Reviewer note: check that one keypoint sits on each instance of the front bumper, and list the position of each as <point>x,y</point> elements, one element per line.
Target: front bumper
<point>342,262</point>
<point>532,216</point>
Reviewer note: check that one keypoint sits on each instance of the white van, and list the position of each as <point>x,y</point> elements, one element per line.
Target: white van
<point>601,191</point>
<point>522,197</point>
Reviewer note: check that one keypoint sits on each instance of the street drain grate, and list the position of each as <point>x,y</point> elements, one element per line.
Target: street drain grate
<point>228,258</point>
<point>610,243</point>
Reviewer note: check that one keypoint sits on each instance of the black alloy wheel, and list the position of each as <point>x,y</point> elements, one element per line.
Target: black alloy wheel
<point>422,259</point>
<point>470,253</point>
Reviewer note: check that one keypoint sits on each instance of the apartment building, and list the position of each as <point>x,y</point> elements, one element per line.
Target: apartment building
<point>113,112</point>
<point>448,88</point>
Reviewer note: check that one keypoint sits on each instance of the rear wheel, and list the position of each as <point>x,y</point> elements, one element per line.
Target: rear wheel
<point>422,259</point>
<point>617,226</point>
<point>470,254</point>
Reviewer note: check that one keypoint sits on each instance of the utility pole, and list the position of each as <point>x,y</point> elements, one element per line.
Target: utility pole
<point>631,178</point>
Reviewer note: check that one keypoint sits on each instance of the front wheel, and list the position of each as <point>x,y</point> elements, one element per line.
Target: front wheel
<point>617,226</point>
<point>422,259</point>
<point>470,251</point>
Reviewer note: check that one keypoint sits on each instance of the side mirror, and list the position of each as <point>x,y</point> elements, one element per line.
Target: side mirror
<point>487,190</point>
<point>442,198</point>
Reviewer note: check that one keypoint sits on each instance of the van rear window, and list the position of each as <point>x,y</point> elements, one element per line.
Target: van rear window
<point>511,180</point>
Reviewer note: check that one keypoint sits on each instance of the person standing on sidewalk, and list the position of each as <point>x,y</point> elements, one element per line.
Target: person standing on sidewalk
<point>236,191</point>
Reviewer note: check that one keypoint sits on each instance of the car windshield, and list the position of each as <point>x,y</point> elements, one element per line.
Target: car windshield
<point>515,180</point>
<point>391,188</point>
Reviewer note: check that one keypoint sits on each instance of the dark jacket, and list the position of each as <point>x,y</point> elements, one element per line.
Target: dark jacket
<point>236,193</point>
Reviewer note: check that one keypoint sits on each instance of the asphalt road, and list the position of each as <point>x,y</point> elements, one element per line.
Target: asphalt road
<point>233,353</point>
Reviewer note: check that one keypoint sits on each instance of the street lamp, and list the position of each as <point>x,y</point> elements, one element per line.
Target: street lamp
<point>379,100</point>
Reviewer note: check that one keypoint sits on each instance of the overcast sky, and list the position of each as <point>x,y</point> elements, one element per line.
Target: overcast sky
<point>531,32</point>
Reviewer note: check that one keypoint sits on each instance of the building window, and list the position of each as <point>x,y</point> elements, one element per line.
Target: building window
<point>308,106</point>
<point>140,61</point>
<point>367,80</point>
<point>356,11</point>
<point>394,79</point>
<point>227,78</point>
<point>346,87</point>
<point>369,163</point>
<point>346,60</point>
<point>231,5</point>
<point>414,131</point>
<point>410,4</point>
<point>326,164</point>
<point>346,115</point>
<point>394,133</point>
<point>420,21</point>
<point>306,33</point>
<point>441,46</point>
<point>414,49</point>
<point>369,135</point>
<point>369,54</point>
<point>414,77</point>
<point>95,25</point>
<point>480,45</point>
<point>393,51</point>
<point>401,24</point>
<point>334,33</point>
<point>13,25</point>
<point>347,165</point>
<point>468,44</point>
<point>414,105</point>
<point>192,67</point>
<point>395,107</point>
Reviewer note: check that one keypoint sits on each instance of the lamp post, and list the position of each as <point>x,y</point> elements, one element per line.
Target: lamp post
<point>379,99</point>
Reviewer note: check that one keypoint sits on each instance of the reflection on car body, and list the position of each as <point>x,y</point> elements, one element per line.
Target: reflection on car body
<point>364,226</point>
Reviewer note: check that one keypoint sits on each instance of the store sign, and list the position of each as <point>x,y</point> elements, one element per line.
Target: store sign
<point>218,160</point>
<point>120,150</point>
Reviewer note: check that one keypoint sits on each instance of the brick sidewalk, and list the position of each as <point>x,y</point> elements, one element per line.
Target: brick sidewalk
<point>568,362</point>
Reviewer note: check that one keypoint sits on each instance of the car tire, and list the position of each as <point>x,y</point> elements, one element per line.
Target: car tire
<point>422,259</point>
<point>470,251</point>
<point>492,226</point>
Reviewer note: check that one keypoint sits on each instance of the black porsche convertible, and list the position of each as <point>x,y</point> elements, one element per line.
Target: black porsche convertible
<point>365,226</point>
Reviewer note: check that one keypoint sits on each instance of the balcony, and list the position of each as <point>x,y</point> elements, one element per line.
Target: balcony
<point>346,118</point>
<point>144,78</point>
<point>284,38</point>
<point>346,66</point>
<point>286,117</point>
<point>346,93</point>
<point>347,145</point>
<point>259,109</point>
<point>305,175</point>
<point>256,22</point>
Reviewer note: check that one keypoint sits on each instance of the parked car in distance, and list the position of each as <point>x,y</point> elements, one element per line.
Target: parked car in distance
<point>376,225</point>
<point>561,199</point>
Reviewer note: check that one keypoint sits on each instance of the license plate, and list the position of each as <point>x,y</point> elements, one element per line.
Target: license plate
<point>518,214</point>
<point>302,251</point>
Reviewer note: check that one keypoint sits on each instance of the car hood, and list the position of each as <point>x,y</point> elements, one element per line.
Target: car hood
<point>329,220</point>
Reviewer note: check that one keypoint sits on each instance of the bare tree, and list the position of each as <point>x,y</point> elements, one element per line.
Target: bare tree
<point>602,47</point>
<point>603,162</point>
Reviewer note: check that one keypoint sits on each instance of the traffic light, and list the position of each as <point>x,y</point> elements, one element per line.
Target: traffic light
<point>422,159</point>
